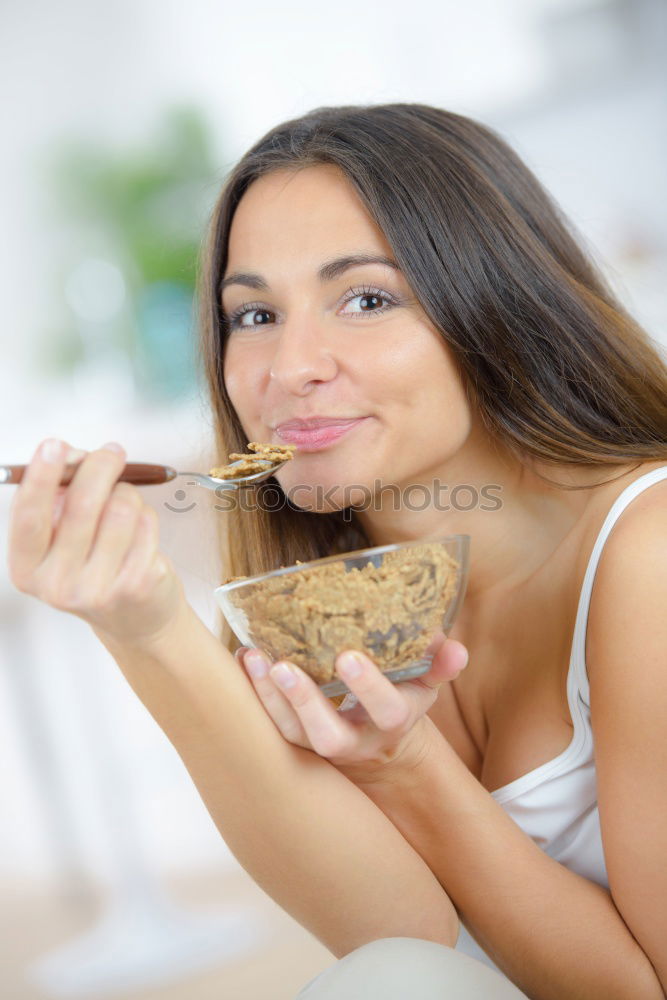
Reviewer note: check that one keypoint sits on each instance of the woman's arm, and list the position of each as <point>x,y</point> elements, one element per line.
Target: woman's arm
<point>301,829</point>
<point>311,839</point>
<point>626,657</point>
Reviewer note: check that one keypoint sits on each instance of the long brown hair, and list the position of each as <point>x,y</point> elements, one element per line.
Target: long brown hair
<point>553,364</point>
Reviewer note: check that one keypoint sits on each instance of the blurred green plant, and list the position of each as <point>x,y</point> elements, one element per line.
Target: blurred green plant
<point>141,215</point>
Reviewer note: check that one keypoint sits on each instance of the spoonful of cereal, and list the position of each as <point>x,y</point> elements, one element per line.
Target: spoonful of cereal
<point>243,469</point>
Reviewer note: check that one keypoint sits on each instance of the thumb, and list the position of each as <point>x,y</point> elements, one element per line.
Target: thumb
<point>448,661</point>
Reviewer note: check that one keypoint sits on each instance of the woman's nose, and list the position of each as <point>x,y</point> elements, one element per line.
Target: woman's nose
<point>301,357</point>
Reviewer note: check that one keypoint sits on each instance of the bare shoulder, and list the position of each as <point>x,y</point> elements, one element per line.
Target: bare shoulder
<point>643,516</point>
<point>632,572</point>
<point>653,499</point>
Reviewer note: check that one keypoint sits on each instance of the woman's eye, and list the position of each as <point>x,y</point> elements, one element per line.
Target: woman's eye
<point>251,317</point>
<point>367,302</point>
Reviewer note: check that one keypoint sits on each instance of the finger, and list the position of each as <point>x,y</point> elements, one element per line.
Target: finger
<point>115,534</point>
<point>58,505</point>
<point>144,550</point>
<point>448,662</point>
<point>73,457</point>
<point>328,734</point>
<point>389,707</point>
<point>85,500</point>
<point>240,653</point>
<point>276,704</point>
<point>31,521</point>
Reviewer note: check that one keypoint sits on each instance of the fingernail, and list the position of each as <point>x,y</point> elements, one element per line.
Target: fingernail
<point>350,665</point>
<point>283,676</point>
<point>238,653</point>
<point>51,450</point>
<point>256,664</point>
<point>75,454</point>
<point>114,446</point>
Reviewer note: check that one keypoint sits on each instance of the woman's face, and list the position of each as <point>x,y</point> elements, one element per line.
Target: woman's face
<point>315,335</point>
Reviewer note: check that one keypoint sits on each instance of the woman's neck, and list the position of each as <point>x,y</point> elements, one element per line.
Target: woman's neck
<point>515,518</point>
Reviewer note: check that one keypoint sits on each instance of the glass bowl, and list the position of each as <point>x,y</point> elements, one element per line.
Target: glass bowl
<point>387,602</point>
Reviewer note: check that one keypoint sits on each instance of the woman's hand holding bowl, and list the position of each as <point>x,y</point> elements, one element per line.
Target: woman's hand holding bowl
<point>384,731</point>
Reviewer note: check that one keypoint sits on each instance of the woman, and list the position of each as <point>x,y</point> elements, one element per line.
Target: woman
<point>397,274</point>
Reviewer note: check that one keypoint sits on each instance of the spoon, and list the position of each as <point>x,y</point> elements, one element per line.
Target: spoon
<point>142,474</point>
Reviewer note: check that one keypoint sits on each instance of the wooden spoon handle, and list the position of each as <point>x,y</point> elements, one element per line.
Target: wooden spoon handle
<point>139,473</point>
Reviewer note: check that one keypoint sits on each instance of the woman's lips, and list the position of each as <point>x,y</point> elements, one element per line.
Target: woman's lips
<point>316,438</point>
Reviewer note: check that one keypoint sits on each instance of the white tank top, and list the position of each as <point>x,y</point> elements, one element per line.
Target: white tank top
<point>556,803</point>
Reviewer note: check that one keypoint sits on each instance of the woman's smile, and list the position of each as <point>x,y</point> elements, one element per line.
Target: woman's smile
<point>319,437</point>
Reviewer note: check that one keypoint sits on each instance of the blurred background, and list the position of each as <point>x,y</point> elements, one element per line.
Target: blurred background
<point>120,122</point>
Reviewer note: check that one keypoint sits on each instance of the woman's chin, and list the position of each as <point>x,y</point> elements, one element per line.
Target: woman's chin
<point>325,496</point>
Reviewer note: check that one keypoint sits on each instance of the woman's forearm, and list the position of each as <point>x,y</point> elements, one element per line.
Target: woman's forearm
<point>554,933</point>
<point>312,840</point>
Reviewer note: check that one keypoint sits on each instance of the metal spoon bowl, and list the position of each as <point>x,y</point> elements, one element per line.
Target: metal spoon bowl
<point>212,483</point>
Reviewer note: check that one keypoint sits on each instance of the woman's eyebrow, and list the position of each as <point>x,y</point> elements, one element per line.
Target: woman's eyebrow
<point>328,271</point>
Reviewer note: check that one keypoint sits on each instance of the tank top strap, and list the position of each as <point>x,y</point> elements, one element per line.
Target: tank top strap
<point>578,655</point>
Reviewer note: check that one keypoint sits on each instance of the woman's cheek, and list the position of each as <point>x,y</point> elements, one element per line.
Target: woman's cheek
<point>236,378</point>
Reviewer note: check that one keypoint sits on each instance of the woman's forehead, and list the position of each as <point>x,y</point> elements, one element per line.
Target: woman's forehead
<point>314,207</point>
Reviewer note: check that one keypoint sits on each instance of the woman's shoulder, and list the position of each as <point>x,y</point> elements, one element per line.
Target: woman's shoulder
<point>642,513</point>
<point>631,576</point>
<point>646,512</point>
<point>651,502</point>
